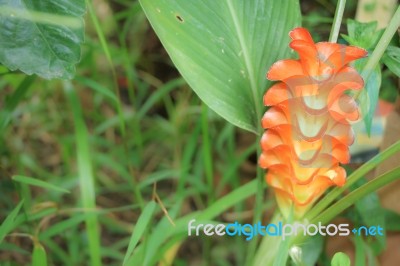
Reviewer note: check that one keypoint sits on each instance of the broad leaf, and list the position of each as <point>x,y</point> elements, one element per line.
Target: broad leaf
<point>41,37</point>
<point>224,48</point>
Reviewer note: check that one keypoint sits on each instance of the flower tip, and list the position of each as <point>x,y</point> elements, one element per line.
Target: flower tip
<point>356,52</point>
<point>301,34</point>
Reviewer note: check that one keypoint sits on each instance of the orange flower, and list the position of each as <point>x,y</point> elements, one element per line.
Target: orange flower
<point>308,127</point>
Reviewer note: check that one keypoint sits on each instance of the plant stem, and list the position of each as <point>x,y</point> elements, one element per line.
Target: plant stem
<point>348,200</point>
<point>337,21</point>
<point>268,248</point>
<point>381,47</point>
<point>357,194</point>
<point>252,248</point>
<point>354,177</point>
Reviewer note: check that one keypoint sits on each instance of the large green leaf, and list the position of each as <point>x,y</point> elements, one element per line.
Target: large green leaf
<point>224,48</point>
<point>41,37</point>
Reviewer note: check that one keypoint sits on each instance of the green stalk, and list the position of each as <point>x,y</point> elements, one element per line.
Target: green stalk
<point>269,246</point>
<point>337,21</point>
<point>350,199</point>
<point>357,194</point>
<point>354,177</point>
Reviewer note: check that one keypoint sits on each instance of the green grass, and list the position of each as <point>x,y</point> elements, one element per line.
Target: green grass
<point>125,128</point>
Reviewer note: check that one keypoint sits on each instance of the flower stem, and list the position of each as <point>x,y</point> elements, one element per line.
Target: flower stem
<point>354,177</point>
<point>357,194</point>
<point>330,213</point>
<point>337,21</point>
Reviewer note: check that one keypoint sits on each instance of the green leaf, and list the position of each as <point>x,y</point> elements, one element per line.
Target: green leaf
<point>224,48</point>
<point>41,37</point>
<point>9,222</point>
<point>363,35</point>
<point>38,183</point>
<point>340,259</point>
<point>391,59</point>
<point>140,227</point>
<point>39,257</point>
<point>370,94</point>
<point>357,194</point>
<point>352,179</point>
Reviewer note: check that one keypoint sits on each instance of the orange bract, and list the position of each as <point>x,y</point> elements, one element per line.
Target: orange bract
<point>308,127</point>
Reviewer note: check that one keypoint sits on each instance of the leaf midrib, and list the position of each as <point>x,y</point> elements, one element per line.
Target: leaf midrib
<point>247,61</point>
<point>27,9</point>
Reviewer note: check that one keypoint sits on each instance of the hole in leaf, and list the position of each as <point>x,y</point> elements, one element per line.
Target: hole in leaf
<point>179,18</point>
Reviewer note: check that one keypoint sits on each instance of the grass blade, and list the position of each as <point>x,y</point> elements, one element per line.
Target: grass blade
<point>38,183</point>
<point>39,257</point>
<point>8,223</point>
<point>165,230</point>
<point>12,102</point>
<point>97,87</point>
<point>140,227</point>
<point>86,179</point>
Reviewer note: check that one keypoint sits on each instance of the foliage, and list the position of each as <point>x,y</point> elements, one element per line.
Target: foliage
<point>225,54</point>
<point>41,37</point>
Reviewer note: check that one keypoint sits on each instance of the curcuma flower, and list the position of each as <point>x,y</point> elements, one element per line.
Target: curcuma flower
<point>308,128</point>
